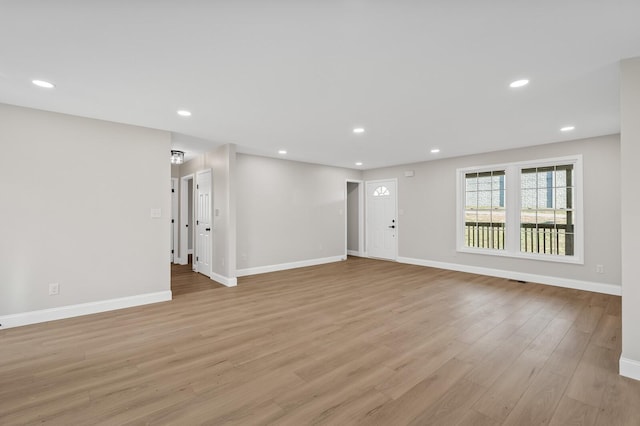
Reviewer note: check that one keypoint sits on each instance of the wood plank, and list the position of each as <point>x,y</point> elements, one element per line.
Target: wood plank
<point>452,407</point>
<point>539,402</point>
<point>620,405</point>
<point>572,412</point>
<point>588,383</point>
<point>473,418</point>
<point>414,402</point>
<point>608,333</point>
<point>568,353</point>
<point>505,393</point>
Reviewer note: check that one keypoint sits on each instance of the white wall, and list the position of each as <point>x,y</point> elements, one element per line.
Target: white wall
<point>75,202</point>
<point>289,211</point>
<point>630,154</point>
<point>427,229</point>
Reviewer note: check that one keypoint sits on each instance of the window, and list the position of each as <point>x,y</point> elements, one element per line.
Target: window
<point>484,209</point>
<point>381,191</point>
<point>528,209</point>
<point>546,210</point>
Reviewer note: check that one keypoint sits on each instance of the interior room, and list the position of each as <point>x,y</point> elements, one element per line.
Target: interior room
<point>319,212</point>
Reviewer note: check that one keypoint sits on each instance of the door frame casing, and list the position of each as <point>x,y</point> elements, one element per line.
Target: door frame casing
<point>366,200</point>
<point>362,252</point>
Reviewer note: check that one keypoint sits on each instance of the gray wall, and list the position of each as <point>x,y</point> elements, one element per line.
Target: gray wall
<point>289,211</point>
<point>76,211</point>
<point>427,229</point>
<point>630,154</point>
<point>352,216</point>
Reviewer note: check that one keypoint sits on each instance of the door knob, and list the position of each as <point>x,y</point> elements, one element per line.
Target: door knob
<point>392,226</point>
<point>207,229</point>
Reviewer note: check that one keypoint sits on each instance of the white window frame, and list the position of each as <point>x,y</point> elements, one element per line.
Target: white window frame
<point>513,208</point>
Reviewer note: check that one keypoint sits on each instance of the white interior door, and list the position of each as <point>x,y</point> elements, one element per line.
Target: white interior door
<point>382,223</point>
<point>203,222</point>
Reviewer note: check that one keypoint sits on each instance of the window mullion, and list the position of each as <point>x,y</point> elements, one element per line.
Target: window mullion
<point>512,204</point>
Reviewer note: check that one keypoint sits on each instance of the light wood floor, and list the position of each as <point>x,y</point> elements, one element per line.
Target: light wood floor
<point>356,342</point>
<point>185,281</point>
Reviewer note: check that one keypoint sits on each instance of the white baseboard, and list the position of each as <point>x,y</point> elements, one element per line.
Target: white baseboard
<point>356,253</point>
<point>190,251</point>
<point>283,266</point>
<point>629,368</point>
<point>226,281</point>
<point>605,288</point>
<point>44,315</point>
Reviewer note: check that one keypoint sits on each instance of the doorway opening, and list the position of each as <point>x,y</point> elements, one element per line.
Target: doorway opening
<point>174,221</point>
<point>187,229</point>
<point>354,218</point>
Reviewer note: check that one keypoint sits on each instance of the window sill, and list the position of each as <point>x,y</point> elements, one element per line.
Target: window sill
<point>575,260</point>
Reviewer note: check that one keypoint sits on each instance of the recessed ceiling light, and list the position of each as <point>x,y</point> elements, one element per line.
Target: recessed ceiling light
<point>42,83</point>
<point>358,130</point>
<point>184,113</point>
<point>359,163</point>
<point>435,150</point>
<point>567,128</point>
<point>519,83</point>
<point>282,151</point>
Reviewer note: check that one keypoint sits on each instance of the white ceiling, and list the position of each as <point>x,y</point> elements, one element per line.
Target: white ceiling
<point>300,75</point>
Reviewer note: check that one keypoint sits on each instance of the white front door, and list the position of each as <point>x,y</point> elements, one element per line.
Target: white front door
<point>382,222</point>
<point>203,222</point>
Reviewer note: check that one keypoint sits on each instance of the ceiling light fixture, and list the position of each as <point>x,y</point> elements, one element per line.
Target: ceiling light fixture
<point>358,130</point>
<point>359,163</point>
<point>282,151</point>
<point>435,150</point>
<point>567,128</point>
<point>519,83</point>
<point>177,157</point>
<point>42,83</point>
<point>184,113</point>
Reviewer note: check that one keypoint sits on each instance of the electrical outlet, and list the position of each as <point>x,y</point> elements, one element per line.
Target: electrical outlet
<point>54,289</point>
<point>600,269</point>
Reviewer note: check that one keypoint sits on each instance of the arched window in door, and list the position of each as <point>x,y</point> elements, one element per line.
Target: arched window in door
<point>381,191</point>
